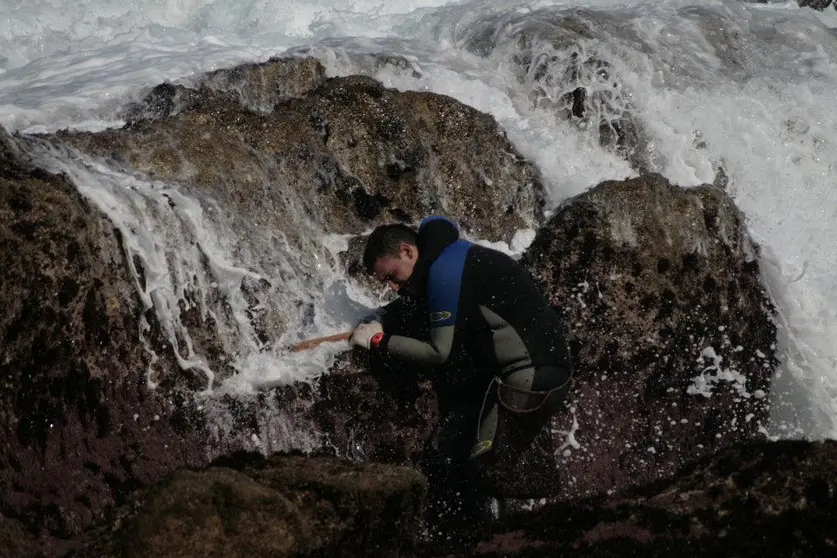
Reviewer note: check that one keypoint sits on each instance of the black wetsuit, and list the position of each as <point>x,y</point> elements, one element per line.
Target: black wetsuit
<point>482,302</point>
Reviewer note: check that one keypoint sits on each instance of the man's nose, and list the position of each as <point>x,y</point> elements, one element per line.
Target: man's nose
<point>393,285</point>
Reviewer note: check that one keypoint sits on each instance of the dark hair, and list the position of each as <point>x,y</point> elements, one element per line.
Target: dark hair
<point>385,242</point>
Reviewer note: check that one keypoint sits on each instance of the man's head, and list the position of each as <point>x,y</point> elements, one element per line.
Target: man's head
<point>391,254</point>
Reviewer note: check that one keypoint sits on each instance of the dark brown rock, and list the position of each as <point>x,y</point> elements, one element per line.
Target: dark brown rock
<point>386,416</point>
<point>749,500</point>
<point>669,325</point>
<point>284,506</point>
<point>261,85</point>
<point>349,143</point>
<point>79,430</point>
<point>16,541</point>
<point>216,512</point>
<point>367,509</point>
<point>258,86</point>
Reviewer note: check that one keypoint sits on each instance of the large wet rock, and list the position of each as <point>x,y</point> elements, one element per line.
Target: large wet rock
<point>79,430</point>
<point>284,506</point>
<point>670,328</point>
<point>352,151</point>
<point>750,500</point>
<point>256,86</point>
<point>217,511</point>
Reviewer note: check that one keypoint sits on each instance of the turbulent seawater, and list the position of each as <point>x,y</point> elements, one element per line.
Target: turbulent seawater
<point>717,90</point>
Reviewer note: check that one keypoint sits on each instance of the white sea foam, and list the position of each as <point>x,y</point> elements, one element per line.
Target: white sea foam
<point>711,83</point>
<point>714,373</point>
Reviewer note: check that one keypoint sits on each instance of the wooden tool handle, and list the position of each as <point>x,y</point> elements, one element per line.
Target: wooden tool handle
<point>311,343</point>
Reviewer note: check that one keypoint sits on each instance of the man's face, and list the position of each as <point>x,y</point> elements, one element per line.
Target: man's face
<point>396,271</point>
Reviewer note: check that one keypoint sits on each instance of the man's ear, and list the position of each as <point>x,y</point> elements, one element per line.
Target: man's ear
<point>408,251</point>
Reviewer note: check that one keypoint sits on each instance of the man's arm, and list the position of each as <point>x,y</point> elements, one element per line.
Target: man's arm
<point>444,290</point>
<point>433,353</point>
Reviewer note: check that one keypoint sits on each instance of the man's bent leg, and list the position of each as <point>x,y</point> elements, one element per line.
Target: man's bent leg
<point>513,455</point>
<point>454,499</point>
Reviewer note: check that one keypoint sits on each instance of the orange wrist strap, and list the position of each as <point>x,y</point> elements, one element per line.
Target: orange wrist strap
<point>376,339</point>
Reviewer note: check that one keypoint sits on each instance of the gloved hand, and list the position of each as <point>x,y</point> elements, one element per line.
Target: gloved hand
<point>363,334</point>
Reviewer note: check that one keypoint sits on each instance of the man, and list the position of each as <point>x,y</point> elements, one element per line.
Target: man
<point>482,303</point>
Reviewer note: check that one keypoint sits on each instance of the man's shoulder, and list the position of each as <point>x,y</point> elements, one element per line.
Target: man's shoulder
<point>435,235</point>
<point>438,225</point>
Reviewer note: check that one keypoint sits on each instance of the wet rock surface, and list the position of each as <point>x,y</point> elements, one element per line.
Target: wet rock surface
<point>335,144</point>
<point>756,499</point>
<point>15,539</point>
<point>258,86</point>
<point>79,431</point>
<point>387,416</point>
<point>669,325</point>
<point>246,505</point>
